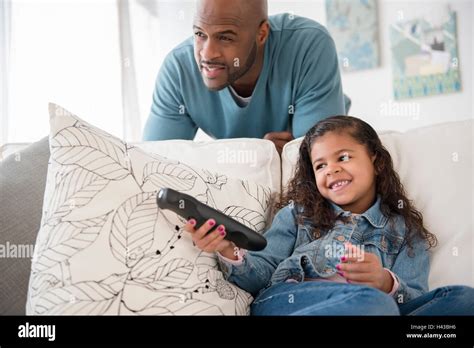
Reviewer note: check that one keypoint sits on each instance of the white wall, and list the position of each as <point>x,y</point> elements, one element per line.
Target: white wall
<point>371,90</point>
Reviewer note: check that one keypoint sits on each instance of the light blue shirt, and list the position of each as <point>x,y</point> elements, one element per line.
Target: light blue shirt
<point>299,85</point>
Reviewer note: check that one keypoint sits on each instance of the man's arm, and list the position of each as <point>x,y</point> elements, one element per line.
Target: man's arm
<point>280,139</point>
<point>319,88</point>
<point>168,118</point>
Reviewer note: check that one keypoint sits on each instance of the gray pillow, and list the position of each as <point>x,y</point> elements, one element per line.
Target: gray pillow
<point>22,184</point>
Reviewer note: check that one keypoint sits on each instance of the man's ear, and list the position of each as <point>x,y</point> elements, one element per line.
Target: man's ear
<point>263,32</point>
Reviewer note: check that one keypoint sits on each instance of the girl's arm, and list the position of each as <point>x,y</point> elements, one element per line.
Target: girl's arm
<point>411,269</point>
<point>253,270</point>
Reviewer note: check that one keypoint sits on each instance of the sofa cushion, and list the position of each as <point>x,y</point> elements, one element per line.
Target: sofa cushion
<point>104,247</point>
<point>22,184</point>
<point>435,165</point>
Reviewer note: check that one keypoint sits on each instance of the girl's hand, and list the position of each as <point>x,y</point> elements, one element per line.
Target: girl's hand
<point>360,267</point>
<point>211,242</point>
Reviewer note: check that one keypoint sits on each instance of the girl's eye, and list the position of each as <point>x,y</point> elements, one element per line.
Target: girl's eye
<point>344,157</point>
<point>320,166</point>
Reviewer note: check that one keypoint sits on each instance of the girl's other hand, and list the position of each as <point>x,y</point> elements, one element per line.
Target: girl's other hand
<point>360,267</point>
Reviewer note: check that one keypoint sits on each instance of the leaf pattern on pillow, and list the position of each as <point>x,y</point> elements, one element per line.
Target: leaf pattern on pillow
<point>83,147</point>
<point>66,239</point>
<point>216,180</point>
<point>87,297</point>
<point>164,174</point>
<point>250,218</point>
<point>156,276</point>
<point>226,290</point>
<point>216,282</point>
<point>175,305</point>
<point>205,263</point>
<point>44,281</point>
<point>260,193</point>
<point>133,228</point>
<point>73,190</point>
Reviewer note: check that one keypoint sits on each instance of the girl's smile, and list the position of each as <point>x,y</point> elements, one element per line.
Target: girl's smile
<point>338,185</point>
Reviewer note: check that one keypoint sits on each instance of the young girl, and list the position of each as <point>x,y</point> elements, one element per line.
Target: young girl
<point>347,240</point>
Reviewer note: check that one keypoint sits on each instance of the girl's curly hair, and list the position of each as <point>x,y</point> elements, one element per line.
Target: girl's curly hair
<point>302,189</point>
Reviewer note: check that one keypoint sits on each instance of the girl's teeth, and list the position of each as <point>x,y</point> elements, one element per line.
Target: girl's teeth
<point>340,184</point>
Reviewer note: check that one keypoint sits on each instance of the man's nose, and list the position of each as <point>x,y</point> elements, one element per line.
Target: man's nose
<point>209,51</point>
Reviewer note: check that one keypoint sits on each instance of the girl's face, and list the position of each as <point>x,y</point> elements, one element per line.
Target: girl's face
<point>344,171</point>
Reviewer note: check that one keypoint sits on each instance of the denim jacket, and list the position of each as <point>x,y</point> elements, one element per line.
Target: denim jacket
<point>292,252</point>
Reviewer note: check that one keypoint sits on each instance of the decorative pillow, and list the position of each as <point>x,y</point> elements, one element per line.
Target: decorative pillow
<point>256,160</point>
<point>435,165</point>
<point>104,246</point>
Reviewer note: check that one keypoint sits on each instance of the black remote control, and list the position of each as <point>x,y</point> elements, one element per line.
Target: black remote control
<point>189,207</point>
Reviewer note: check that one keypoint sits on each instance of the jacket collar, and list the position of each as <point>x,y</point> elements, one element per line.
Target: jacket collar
<point>373,215</point>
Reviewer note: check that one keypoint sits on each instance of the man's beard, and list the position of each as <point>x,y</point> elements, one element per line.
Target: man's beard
<point>247,66</point>
<point>237,74</point>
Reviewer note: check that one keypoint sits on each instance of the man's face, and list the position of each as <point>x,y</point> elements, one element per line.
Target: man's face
<point>225,45</point>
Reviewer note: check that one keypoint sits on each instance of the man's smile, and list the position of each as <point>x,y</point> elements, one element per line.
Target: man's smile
<point>212,71</point>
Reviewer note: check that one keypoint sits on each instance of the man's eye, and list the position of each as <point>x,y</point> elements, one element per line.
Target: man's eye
<point>225,38</point>
<point>199,34</point>
<point>344,157</point>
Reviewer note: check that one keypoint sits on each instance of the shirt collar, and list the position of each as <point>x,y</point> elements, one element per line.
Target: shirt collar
<point>373,214</point>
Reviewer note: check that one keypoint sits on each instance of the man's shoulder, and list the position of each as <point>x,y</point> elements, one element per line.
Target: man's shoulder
<point>183,51</point>
<point>287,22</point>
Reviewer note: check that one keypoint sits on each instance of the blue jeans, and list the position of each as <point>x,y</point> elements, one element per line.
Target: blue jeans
<point>328,298</point>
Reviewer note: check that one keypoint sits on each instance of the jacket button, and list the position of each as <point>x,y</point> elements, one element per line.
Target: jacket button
<point>341,238</point>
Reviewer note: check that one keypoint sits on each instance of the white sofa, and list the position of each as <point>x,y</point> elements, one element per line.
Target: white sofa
<point>435,164</point>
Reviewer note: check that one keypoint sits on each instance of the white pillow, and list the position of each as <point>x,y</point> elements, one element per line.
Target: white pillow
<point>436,168</point>
<point>251,159</point>
<point>105,248</point>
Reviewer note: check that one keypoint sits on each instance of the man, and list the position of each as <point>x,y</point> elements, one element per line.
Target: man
<point>246,75</point>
